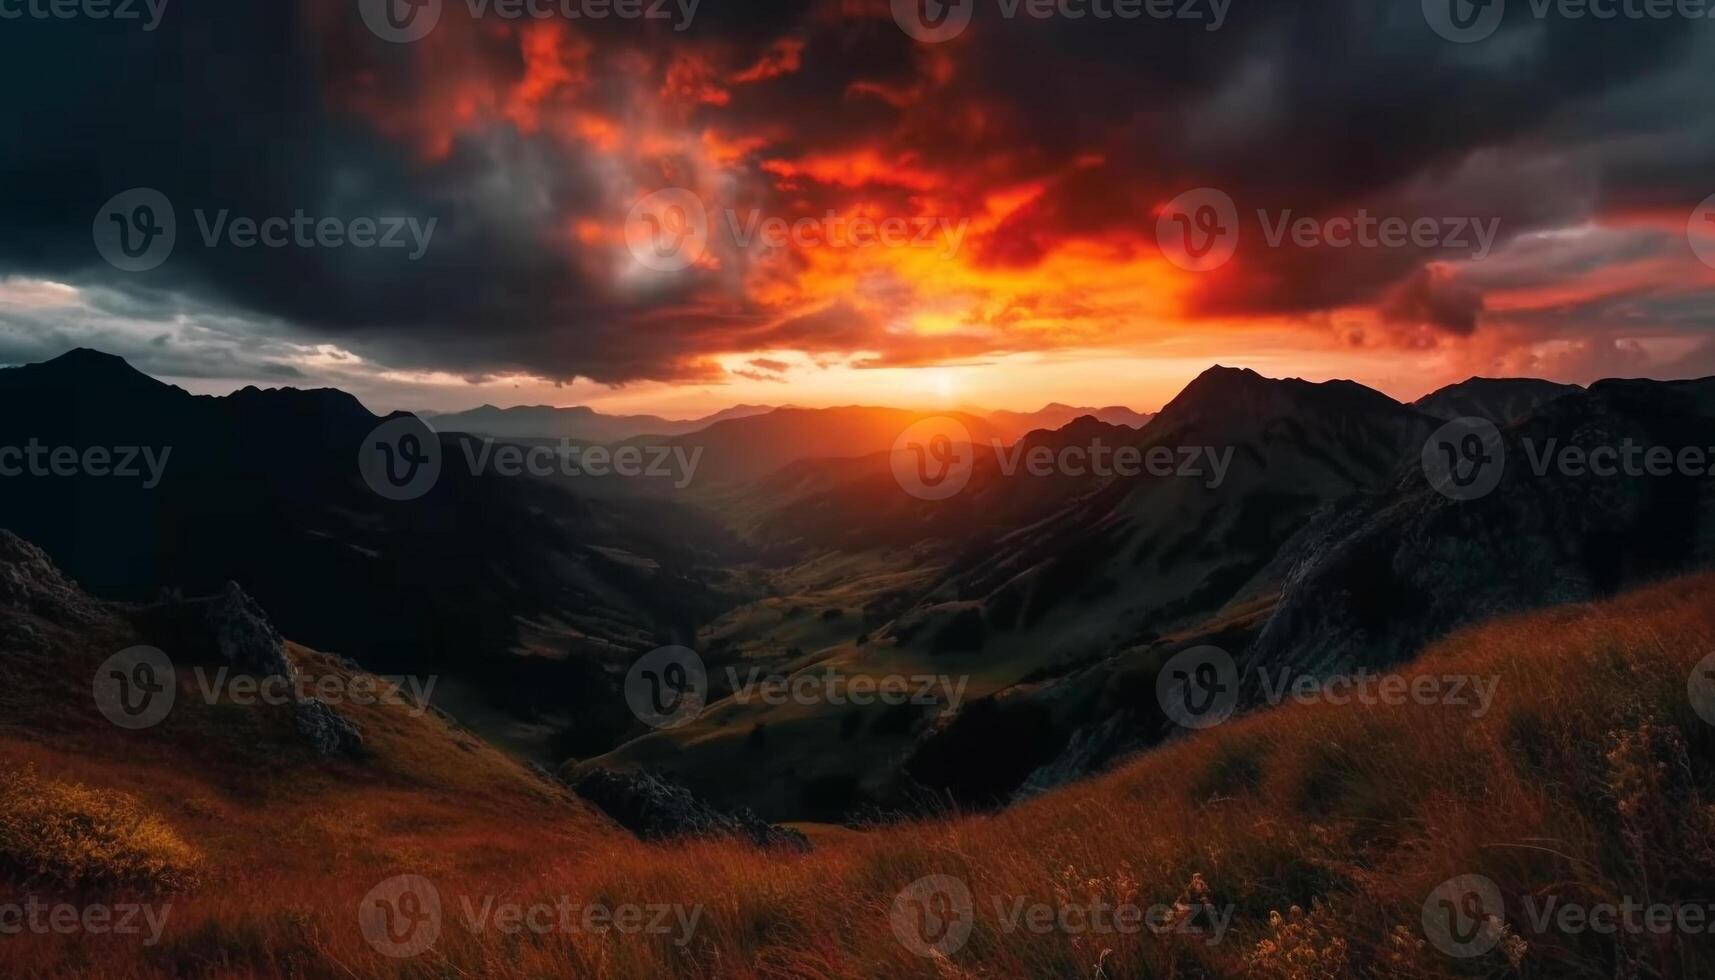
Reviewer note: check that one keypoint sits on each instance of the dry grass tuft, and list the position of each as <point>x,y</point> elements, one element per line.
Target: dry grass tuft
<point>72,838</point>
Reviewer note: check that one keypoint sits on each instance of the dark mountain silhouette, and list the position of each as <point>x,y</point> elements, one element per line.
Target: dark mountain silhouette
<point>1369,582</point>
<point>1499,400</point>
<point>1373,583</point>
<point>494,579</point>
<point>1157,548</point>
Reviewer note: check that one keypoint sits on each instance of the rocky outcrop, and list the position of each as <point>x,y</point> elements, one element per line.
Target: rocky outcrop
<point>325,729</point>
<point>1089,749</point>
<point>30,583</point>
<point>656,810</point>
<point>244,636</point>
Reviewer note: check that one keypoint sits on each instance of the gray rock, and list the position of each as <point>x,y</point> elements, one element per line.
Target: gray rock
<point>29,583</point>
<point>325,729</point>
<point>1086,752</point>
<point>656,810</point>
<point>244,636</point>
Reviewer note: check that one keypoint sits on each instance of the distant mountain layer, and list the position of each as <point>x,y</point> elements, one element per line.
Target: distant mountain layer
<point>1499,400</point>
<point>745,449</point>
<point>1014,425</point>
<point>583,424</point>
<point>579,422</point>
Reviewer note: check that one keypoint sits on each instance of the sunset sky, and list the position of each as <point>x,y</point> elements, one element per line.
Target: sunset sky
<point>1052,147</point>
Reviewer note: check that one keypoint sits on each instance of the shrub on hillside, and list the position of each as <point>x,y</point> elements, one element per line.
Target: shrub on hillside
<point>66,836</point>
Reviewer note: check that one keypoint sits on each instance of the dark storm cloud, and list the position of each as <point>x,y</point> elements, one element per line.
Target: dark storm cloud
<point>269,108</point>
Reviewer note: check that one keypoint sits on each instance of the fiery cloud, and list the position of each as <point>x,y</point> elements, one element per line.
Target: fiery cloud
<point>1028,161</point>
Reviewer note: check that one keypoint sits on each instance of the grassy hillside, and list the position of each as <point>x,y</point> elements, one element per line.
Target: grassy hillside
<point>1590,779</point>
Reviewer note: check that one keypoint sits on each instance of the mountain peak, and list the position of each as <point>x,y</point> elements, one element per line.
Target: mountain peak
<point>84,367</point>
<point>88,361</point>
<point>1240,393</point>
<point>1221,380</point>
<point>88,357</point>
<point>1498,399</point>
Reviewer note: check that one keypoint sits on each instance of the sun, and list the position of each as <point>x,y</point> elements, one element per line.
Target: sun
<point>942,384</point>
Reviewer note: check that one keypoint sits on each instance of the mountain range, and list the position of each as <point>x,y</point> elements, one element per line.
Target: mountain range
<point>1293,523</point>
<point>578,422</point>
<point>581,423</point>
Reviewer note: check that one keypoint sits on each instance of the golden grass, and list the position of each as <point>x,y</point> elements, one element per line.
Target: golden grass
<point>1324,828</point>
<point>67,837</point>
